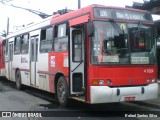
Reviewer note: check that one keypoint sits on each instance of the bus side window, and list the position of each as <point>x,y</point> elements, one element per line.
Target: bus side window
<point>3,53</point>
<point>25,44</point>
<point>77,45</point>
<point>6,47</point>
<point>17,45</point>
<point>46,40</point>
<point>60,38</point>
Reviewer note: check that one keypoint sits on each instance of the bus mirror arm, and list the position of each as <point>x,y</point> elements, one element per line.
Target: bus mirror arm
<point>90,29</point>
<point>4,42</point>
<point>156,33</point>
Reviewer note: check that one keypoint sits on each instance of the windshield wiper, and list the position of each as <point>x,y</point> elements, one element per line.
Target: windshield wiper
<point>116,26</point>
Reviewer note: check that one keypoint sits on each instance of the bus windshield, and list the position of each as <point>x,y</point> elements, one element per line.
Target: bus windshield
<point>122,43</point>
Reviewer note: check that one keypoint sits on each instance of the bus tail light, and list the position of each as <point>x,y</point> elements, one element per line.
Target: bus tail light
<point>153,80</point>
<point>98,82</point>
<point>101,82</point>
<point>95,82</point>
<point>108,81</point>
<point>148,80</point>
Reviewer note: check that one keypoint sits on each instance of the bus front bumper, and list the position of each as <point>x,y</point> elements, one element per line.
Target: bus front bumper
<point>105,94</point>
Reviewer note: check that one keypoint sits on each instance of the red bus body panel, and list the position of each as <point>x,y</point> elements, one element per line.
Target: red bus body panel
<point>1,54</point>
<point>121,75</point>
<point>125,76</point>
<point>56,65</point>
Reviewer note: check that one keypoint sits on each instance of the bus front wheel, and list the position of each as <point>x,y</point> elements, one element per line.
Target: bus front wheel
<point>18,80</point>
<point>62,91</point>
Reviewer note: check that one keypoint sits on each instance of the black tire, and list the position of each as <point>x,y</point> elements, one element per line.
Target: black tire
<point>62,92</point>
<point>18,80</point>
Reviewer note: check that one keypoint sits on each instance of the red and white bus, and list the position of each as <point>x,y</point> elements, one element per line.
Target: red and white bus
<point>96,54</point>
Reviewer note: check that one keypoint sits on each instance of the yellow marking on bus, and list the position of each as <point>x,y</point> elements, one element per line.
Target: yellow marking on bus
<point>123,26</point>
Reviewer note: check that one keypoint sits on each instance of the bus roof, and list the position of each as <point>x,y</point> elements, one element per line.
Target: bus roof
<point>86,10</point>
<point>57,18</point>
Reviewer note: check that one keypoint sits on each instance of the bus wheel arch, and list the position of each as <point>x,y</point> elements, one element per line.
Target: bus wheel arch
<point>18,79</point>
<point>61,89</point>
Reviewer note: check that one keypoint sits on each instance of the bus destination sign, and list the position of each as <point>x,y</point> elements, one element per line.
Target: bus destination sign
<point>121,14</point>
<point>129,16</point>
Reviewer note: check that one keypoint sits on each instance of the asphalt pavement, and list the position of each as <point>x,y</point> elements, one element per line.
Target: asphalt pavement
<point>152,103</point>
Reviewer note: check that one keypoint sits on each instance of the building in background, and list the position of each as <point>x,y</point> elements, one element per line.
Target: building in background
<point>152,6</point>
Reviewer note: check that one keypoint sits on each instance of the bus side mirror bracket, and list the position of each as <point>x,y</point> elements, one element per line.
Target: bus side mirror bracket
<point>90,29</point>
<point>156,32</point>
<point>4,42</point>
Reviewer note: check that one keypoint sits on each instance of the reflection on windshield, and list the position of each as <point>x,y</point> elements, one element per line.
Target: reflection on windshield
<point>140,39</point>
<point>121,43</point>
<point>141,44</point>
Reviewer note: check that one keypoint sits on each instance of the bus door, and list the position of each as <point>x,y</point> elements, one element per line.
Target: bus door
<point>76,61</point>
<point>10,60</point>
<point>34,55</point>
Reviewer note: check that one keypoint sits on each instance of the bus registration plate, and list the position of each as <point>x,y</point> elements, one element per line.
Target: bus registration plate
<point>128,98</point>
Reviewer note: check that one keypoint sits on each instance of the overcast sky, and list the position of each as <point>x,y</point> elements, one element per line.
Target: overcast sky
<point>19,17</point>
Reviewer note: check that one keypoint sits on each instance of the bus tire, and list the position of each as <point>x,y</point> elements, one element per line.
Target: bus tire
<point>18,80</point>
<point>62,92</point>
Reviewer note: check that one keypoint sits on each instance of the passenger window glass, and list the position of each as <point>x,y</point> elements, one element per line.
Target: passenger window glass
<point>62,30</point>
<point>61,39</point>
<point>6,47</point>
<point>46,40</point>
<point>77,45</point>
<point>17,45</point>
<point>25,44</point>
